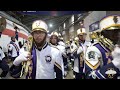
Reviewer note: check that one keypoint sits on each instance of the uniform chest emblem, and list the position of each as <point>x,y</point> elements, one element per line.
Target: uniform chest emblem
<point>48,58</point>
<point>91,55</point>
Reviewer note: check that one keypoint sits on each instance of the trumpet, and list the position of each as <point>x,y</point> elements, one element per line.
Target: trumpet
<point>26,65</point>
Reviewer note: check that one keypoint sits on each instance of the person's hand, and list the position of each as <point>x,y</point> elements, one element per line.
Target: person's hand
<point>22,57</point>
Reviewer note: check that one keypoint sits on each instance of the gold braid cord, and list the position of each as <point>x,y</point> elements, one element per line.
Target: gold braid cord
<point>27,66</point>
<point>81,59</point>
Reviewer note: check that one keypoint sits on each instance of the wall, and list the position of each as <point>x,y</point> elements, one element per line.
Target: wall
<point>9,32</point>
<point>91,18</point>
<point>113,12</point>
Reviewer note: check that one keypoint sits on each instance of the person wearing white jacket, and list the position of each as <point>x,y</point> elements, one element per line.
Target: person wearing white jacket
<point>102,59</point>
<point>79,54</point>
<point>54,41</point>
<point>42,58</point>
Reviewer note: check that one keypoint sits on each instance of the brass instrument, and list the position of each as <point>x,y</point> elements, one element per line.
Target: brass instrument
<point>26,65</point>
<point>106,42</point>
<point>93,35</point>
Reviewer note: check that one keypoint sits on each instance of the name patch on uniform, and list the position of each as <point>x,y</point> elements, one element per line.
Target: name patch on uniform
<point>48,58</point>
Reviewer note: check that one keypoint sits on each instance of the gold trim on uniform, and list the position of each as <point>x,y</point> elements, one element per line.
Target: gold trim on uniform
<point>81,59</point>
<point>91,66</point>
<point>39,29</point>
<point>113,25</point>
<point>22,72</point>
<point>56,64</point>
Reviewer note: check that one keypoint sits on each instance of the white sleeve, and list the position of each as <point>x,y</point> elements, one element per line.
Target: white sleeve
<point>22,57</point>
<point>22,50</point>
<point>2,54</point>
<point>63,51</point>
<point>80,49</point>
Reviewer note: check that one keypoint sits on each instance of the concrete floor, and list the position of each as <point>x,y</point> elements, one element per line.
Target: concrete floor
<point>70,73</point>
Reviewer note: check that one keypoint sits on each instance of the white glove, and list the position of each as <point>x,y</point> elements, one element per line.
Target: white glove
<point>22,57</point>
<point>116,57</point>
<point>79,50</point>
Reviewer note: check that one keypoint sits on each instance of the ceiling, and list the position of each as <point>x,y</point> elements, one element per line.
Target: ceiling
<point>54,17</point>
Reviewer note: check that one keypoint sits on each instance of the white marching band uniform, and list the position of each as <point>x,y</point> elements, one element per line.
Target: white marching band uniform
<point>99,63</point>
<point>80,49</point>
<point>14,48</point>
<point>96,58</point>
<point>44,62</point>
<point>61,47</point>
<point>79,54</point>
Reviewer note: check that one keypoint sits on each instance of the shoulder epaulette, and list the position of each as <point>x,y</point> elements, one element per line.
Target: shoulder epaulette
<point>95,43</point>
<point>101,46</point>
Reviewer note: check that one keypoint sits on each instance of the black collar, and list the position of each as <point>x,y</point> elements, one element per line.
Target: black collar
<point>45,45</point>
<point>53,45</point>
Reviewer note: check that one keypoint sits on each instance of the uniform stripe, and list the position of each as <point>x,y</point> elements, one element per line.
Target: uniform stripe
<point>56,64</point>
<point>91,66</point>
<point>99,75</point>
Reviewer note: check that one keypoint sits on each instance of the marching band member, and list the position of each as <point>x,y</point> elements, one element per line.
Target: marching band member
<point>103,57</point>
<point>72,49</point>
<point>13,48</point>
<point>54,40</point>
<point>79,54</point>
<point>41,57</point>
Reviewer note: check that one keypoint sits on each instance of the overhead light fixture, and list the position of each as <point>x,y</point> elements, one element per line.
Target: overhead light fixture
<point>50,25</point>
